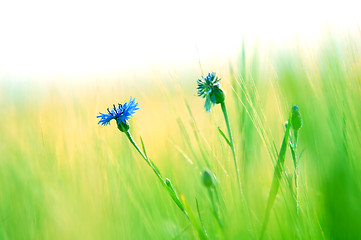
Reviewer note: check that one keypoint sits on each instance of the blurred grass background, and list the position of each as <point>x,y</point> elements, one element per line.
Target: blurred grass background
<point>64,177</point>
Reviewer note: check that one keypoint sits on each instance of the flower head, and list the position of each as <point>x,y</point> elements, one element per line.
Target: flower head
<point>209,87</point>
<point>121,114</point>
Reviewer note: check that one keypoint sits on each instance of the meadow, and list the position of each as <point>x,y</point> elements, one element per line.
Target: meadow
<point>63,176</point>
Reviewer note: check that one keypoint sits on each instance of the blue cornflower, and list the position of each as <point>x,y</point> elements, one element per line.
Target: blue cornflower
<point>209,87</point>
<point>121,114</point>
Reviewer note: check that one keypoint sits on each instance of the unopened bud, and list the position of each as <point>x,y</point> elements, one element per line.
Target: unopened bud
<point>296,120</point>
<point>207,178</point>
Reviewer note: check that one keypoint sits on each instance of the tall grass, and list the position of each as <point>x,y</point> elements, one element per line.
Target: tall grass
<point>64,177</point>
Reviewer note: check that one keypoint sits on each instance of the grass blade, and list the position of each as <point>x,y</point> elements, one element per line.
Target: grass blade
<point>224,136</point>
<point>276,177</point>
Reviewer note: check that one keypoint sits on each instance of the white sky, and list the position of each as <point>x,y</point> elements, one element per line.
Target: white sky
<point>85,37</point>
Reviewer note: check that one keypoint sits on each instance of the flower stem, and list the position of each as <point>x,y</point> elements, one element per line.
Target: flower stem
<point>136,146</point>
<point>215,207</point>
<point>166,183</point>
<point>243,200</point>
<point>293,148</point>
<point>148,161</point>
<point>225,114</point>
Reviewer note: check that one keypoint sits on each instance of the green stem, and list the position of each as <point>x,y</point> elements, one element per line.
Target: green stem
<point>296,166</point>
<point>297,194</point>
<point>215,208</point>
<point>225,114</point>
<point>148,161</point>
<point>165,183</point>
<point>136,146</point>
<point>243,200</point>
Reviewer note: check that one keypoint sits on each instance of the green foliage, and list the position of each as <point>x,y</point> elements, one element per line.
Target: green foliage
<point>62,177</point>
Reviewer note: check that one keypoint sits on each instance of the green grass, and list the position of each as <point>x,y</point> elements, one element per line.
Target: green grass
<point>64,177</point>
